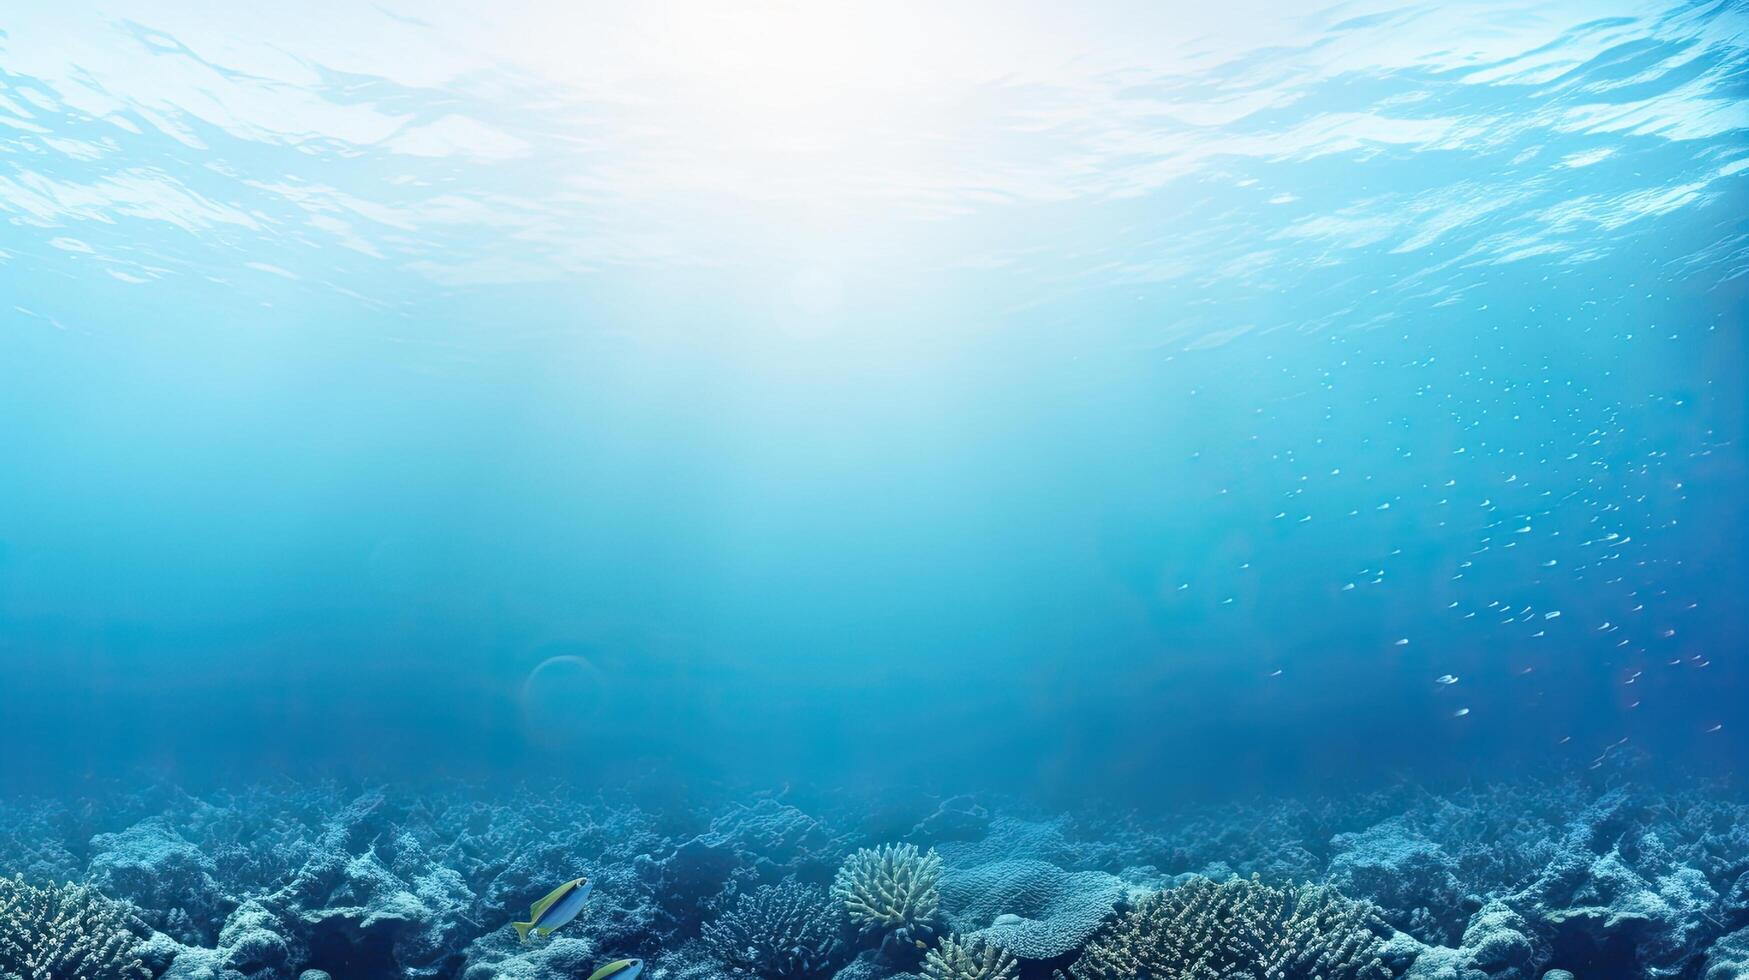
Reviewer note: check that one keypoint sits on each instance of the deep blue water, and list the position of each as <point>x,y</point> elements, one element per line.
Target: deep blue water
<point>1123,404</point>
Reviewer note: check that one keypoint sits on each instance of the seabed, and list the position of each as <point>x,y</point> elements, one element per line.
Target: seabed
<point>1515,881</point>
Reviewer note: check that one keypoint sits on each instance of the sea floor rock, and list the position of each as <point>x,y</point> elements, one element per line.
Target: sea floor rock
<point>1728,959</point>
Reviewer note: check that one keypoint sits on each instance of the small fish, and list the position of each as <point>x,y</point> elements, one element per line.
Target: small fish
<point>1716,728</point>
<point>1446,679</point>
<point>619,970</point>
<point>1459,713</point>
<point>559,907</point>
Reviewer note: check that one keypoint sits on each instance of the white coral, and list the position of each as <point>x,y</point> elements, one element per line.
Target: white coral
<point>1203,930</point>
<point>894,888</point>
<point>975,959</point>
<point>66,931</point>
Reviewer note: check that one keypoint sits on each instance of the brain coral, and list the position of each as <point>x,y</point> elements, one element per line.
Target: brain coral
<point>1029,908</point>
<point>893,889</point>
<point>66,931</point>
<point>972,959</point>
<point>1239,929</point>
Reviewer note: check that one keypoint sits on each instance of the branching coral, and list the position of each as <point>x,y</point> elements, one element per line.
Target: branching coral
<point>66,931</point>
<point>1239,929</point>
<point>893,889</point>
<point>974,959</point>
<point>777,932</point>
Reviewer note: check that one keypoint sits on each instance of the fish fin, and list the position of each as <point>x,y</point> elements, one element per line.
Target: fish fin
<point>522,930</point>
<point>609,969</point>
<point>544,932</point>
<point>535,910</point>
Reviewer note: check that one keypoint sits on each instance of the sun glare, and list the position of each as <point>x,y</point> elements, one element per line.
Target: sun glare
<point>771,90</point>
<point>798,68</point>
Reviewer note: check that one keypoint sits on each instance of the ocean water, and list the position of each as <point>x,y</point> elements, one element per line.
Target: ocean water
<point>450,451</point>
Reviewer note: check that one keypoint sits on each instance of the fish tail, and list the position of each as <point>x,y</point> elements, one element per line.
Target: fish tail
<point>522,930</point>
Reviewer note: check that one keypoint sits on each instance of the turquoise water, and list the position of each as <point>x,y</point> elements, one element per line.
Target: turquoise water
<point>1115,403</point>
<point>854,491</point>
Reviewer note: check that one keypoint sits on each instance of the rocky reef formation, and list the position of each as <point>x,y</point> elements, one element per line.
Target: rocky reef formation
<point>1512,882</point>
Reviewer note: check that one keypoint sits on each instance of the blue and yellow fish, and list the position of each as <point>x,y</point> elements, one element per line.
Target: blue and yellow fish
<point>619,970</point>
<point>559,907</point>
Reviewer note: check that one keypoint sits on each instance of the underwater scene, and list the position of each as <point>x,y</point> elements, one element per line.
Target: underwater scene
<point>851,490</point>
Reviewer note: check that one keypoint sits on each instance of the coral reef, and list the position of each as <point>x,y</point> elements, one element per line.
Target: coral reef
<point>1238,928</point>
<point>1410,878</point>
<point>1729,957</point>
<point>893,889</point>
<point>1500,943</point>
<point>501,957</point>
<point>1607,894</point>
<point>970,959</point>
<point>1034,910</point>
<point>958,818</point>
<point>63,932</point>
<point>273,881</point>
<point>38,842</point>
<point>165,875</point>
<point>781,838</point>
<point>777,932</point>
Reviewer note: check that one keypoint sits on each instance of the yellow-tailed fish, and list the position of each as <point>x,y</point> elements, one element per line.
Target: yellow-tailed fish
<point>619,970</point>
<point>559,907</point>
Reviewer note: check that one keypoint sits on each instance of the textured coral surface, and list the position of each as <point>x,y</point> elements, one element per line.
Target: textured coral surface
<point>271,882</point>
